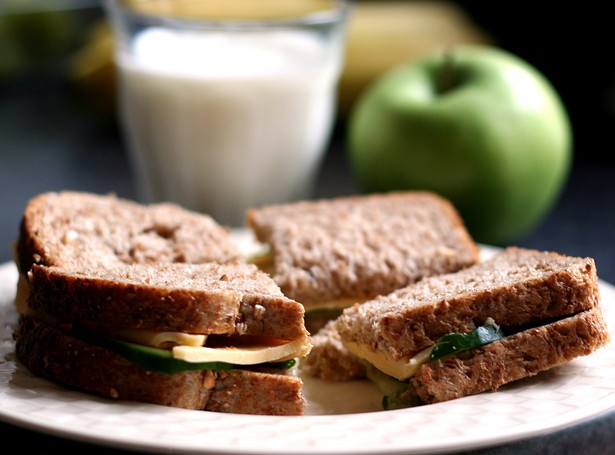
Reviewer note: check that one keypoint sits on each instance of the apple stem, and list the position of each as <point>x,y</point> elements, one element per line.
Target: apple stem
<point>447,74</point>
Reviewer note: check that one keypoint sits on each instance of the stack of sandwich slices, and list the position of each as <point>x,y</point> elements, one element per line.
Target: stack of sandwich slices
<point>155,303</point>
<point>420,314</point>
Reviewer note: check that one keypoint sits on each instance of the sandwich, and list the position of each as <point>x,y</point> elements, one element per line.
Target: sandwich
<point>152,303</point>
<point>512,316</point>
<point>332,253</point>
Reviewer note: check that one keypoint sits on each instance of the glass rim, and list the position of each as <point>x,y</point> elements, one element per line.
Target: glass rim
<point>338,12</point>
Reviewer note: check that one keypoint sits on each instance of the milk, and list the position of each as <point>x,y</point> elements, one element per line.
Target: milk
<point>221,122</point>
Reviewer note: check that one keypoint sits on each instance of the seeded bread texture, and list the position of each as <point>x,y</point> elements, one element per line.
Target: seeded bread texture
<point>84,230</point>
<point>361,246</point>
<point>230,299</point>
<point>329,359</point>
<point>522,355</point>
<point>51,353</point>
<point>515,287</point>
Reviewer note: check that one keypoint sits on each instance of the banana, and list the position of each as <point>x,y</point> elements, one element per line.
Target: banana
<point>385,33</point>
<point>93,73</point>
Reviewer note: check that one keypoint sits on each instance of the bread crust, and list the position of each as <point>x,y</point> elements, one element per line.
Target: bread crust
<point>518,356</point>
<point>359,247</point>
<point>188,298</point>
<point>54,354</point>
<point>516,287</point>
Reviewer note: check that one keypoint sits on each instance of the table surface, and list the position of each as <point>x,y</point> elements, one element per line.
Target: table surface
<point>47,142</point>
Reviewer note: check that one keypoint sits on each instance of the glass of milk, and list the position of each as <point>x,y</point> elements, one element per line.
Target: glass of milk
<point>227,104</point>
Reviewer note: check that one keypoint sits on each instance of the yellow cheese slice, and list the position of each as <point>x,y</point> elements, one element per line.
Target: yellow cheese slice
<point>401,369</point>
<point>21,297</point>
<point>245,355</point>
<point>161,339</point>
<point>338,304</point>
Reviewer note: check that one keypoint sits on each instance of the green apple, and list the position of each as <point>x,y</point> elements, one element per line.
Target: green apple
<point>475,124</point>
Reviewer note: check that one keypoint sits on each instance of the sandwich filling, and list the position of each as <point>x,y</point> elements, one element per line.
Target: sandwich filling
<point>170,352</point>
<point>318,313</point>
<point>394,378</point>
<point>451,344</point>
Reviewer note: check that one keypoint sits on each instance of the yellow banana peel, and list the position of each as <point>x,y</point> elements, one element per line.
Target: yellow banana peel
<point>386,33</point>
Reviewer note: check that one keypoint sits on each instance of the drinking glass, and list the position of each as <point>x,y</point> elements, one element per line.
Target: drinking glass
<point>227,104</point>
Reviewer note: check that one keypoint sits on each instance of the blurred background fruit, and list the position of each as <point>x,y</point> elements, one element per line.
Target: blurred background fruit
<point>385,33</point>
<point>92,70</point>
<point>476,124</point>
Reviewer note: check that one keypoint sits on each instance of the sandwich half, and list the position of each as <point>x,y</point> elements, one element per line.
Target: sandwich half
<point>153,304</point>
<point>449,336</point>
<point>329,254</point>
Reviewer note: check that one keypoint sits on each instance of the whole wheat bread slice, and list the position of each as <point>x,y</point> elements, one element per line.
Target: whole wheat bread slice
<point>226,299</point>
<point>515,287</point>
<point>85,230</point>
<point>518,356</point>
<point>51,353</point>
<point>359,247</point>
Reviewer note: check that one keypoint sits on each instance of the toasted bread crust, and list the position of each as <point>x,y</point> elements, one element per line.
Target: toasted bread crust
<point>228,299</point>
<point>515,287</point>
<point>361,246</point>
<point>54,354</point>
<point>75,229</point>
<point>515,357</point>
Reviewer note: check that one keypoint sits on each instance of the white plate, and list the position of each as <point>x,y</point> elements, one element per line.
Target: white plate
<point>341,420</point>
